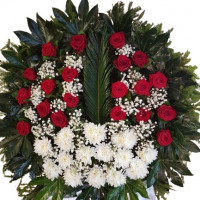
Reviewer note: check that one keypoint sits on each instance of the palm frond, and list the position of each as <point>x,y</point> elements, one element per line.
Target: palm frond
<point>97,70</point>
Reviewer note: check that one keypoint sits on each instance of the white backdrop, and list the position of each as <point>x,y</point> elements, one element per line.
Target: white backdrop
<point>183,15</point>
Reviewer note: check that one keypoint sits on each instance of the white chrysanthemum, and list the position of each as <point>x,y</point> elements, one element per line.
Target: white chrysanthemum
<point>96,177</point>
<point>65,160</point>
<point>94,133</point>
<point>84,154</point>
<point>127,139</point>
<point>148,155</point>
<point>104,152</point>
<point>130,139</point>
<point>37,130</point>
<point>115,178</point>
<point>51,170</point>
<point>123,158</point>
<point>137,170</point>
<point>64,139</point>
<point>72,177</point>
<point>42,147</point>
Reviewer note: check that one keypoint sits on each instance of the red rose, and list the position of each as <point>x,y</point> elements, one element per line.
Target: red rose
<point>48,86</point>
<point>43,108</point>
<point>164,138</point>
<point>166,113</point>
<point>22,95</point>
<point>70,100</point>
<point>49,50</point>
<point>29,74</point>
<point>122,63</point>
<point>117,113</point>
<point>69,73</point>
<point>59,119</point>
<point>78,42</point>
<point>158,80</point>
<point>142,87</point>
<point>140,59</point>
<point>119,89</point>
<point>23,128</point>
<point>117,40</point>
<point>143,115</point>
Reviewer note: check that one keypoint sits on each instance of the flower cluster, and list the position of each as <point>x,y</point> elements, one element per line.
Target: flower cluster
<point>79,150</point>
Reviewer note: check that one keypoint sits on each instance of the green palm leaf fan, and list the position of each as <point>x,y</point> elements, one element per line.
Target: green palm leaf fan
<point>96,74</point>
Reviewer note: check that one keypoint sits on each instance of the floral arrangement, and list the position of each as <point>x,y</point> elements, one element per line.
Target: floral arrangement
<point>97,103</point>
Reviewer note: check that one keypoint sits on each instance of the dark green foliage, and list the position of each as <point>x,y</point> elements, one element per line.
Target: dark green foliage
<point>34,28</point>
<point>71,10</point>
<point>123,21</point>
<point>77,23</point>
<point>83,9</point>
<point>151,178</point>
<point>129,189</point>
<point>96,76</point>
<point>13,58</point>
<point>63,19</point>
<point>27,38</point>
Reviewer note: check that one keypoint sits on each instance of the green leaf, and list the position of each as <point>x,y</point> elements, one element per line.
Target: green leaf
<point>27,148</point>
<point>47,37</point>
<point>83,9</point>
<point>63,19</point>
<point>85,194</point>
<point>114,193</point>
<point>138,186</point>
<point>40,181</point>
<point>46,192</point>
<point>191,146</point>
<point>60,16</point>
<point>13,148</point>
<point>34,28</point>
<point>58,194</point>
<point>71,10</point>
<point>27,38</point>
<point>96,73</point>
<point>7,128</point>
<point>21,170</point>
<point>133,195</point>
<point>127,20</point>
<point>182,169</point>
<point>12,58</point>
<point>151,177</point>
<point>176,179</point>
<point>5,141</point>
<point>91,17</point>
<point>192,135</point>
